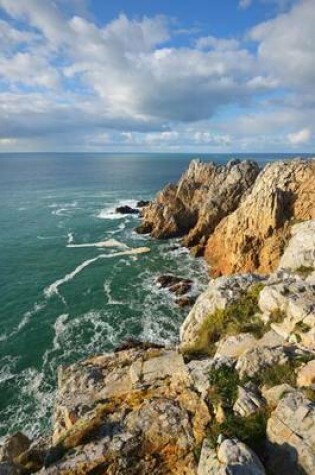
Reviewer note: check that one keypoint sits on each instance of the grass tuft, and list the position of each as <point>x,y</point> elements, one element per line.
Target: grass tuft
<point>239,317</point>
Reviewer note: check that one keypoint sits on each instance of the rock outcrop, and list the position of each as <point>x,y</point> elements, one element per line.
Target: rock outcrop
<point>291,436</point>
<point>231,457</point>
<point>253,237</point>
<point>133,412</point>
<point>240,218</point>
<point>203,196</point>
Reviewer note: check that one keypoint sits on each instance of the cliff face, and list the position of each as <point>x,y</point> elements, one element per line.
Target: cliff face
<point>205,194</point>
<point>254,236</point>
<point>242,218</point>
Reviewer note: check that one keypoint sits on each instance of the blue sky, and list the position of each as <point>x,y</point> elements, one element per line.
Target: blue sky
<point>157,75</point>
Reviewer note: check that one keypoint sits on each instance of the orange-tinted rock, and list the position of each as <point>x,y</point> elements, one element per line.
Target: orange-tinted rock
<point>253,237</point>
<point>203,196</point>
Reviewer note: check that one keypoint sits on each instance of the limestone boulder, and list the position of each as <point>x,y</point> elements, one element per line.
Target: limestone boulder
<point>291,436</point>
<point>220,293</point>
<point>231,457</point>
<point>249,400</point>
<point>300,252</point>
<point>257,359</point>
<point>293,300</point>
<point>235,346</point>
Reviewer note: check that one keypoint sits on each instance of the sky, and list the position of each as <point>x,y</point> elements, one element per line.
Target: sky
<point>157,75</point>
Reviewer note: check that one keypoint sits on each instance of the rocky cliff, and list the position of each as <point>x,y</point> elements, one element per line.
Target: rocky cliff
<point>241,217</point>
<point>237,395</point>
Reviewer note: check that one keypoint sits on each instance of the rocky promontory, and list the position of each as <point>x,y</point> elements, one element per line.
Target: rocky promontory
<point>239,215</point>
<point>237,394</point>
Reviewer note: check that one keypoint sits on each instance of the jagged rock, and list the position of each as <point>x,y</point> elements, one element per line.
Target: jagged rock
<point>232,457</point>
<point>13,446</point>
<point>203,196</point>
<point>177,285</point>
<point>306,376</point>
<point>256,359</point>
<point>220,293</point>
<point>249,400</point>
<point>274,394</point>
<point>295,300</point>
<point>301,249</point>
<point>142,204</point>
<point>291,436</point>
<point>235,346</point>
<point>126,210</point>
<point>253,237</point>
<point>132,412</point>
<point>186,301</point>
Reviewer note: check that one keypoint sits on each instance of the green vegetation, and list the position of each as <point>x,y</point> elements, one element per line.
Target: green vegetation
<point>304,271</point>
<point>302,327</point>
<point>224,389</point>
<point>238,317</point>
<point>251,430</point>
<point>224,382</point>
<point>277,316</point>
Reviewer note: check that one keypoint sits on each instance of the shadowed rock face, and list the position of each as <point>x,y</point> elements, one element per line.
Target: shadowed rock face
<point>253,237</point>
<point>203,196</point>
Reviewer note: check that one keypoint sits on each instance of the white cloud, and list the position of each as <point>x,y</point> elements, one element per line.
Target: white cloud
<point>286,46</point>
<point>130,84</point>
<point>299,138</point>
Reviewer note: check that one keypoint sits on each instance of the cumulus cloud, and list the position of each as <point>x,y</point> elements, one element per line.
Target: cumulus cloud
<point>286,46</point>
<point>126,81</point>
<point>299,138</point>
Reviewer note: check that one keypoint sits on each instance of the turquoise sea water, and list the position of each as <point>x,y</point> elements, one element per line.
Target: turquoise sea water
<point>59,303</point>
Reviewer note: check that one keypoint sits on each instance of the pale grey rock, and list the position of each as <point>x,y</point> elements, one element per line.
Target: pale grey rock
<point>220,293</point>
<point>199,372</point>
<point>295,299</point>
<point>301,249</point>
<point>271,339</point>
<point>291,436</point>
<point>253,361</point>
<point>274,394</point>
<point>231,458</point>
<point>235,346</point>
<point>249,400</point>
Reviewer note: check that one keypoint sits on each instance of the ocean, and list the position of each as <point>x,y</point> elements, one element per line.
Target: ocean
<point>59,301</point>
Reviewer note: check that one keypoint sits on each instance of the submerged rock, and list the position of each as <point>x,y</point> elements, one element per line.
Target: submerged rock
<point>126,210</point>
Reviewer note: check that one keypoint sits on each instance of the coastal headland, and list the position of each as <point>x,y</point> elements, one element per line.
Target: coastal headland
<point>236,395</point>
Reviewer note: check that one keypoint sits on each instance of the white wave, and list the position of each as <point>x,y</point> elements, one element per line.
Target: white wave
<point>108,243</point>
<point>53,288</point>
<point>70,238</point>
<point>25,319</point>
<point>110,212</point>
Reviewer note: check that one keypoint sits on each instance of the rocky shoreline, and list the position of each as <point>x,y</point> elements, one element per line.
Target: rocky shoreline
<point>237,394</point>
